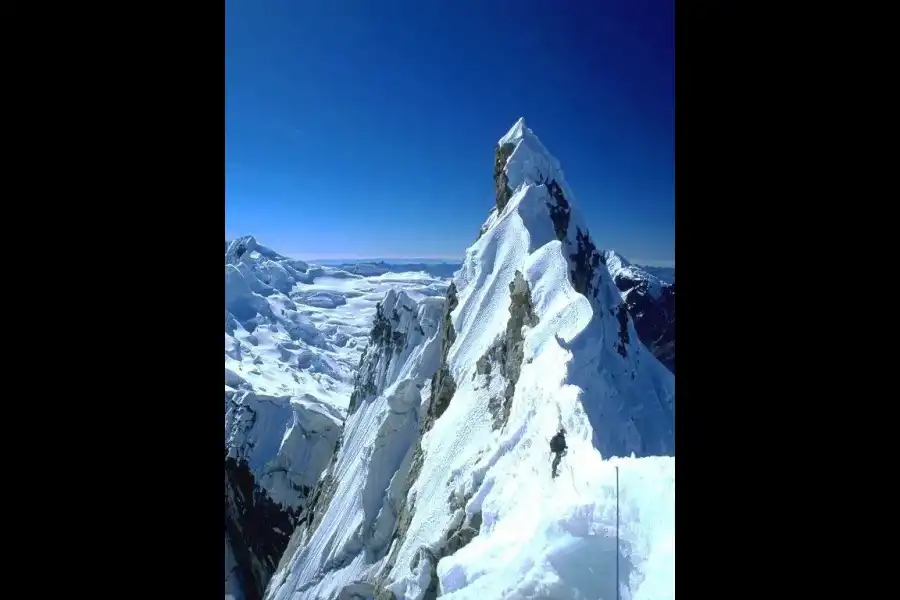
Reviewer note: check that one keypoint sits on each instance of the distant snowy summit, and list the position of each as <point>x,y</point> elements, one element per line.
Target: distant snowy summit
<point>651,304</point>
<point>441,483</point>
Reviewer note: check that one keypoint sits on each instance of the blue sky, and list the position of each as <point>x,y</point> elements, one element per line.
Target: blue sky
<point>356,128</point>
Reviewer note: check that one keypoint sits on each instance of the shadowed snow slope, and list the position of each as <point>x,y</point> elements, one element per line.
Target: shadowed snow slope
<point>651,304</point>
<point>442,486</point>
<point>294,334</point>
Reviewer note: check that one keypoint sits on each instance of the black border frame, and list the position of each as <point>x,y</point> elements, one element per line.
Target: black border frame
<point>133,103</point>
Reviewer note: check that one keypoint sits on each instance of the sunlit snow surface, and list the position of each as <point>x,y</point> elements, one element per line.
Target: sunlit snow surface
<point>539,537</point>
<point>294,333</point>
<point>546,538</point>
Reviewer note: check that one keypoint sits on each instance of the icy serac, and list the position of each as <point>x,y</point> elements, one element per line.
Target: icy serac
<point>294,335</point>
<point>441,485</point>
<point>354,510</point>
<point>276,442</point>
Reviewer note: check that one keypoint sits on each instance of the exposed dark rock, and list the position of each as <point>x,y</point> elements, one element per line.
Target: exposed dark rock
<point>653,317</point>
<point>453,539</point>
<point>560,212</point>
<point>508,351</point>
<point>621,346</point>
<point>462,536</point>
<point>364,383</point>
<point>381,327</point>
<point>502,191</point>
<point>443,386</point>
<point>398,338</point>
<point>362,590</point>
<point>380,337</point>
<point>585,261</point>
<point>385,594</point>
<point>358,590</point>
<point>521,313</point>
<point>258,528</point>
<point>384,342</point>
<point>492,355</point>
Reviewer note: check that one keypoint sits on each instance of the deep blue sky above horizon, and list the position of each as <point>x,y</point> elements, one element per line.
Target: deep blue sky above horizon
<point>357,128</point>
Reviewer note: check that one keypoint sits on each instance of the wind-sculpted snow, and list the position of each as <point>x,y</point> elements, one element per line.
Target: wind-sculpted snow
<point>294,334</point>
<point>535,336</point>
<point>356,506</point>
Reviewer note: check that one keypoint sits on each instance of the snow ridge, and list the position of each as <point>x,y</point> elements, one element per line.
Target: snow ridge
<point>449,493</point>
<point>356,503</point>
<point>294,334</point>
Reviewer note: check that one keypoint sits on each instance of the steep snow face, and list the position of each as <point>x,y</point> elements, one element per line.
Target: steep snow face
<point>356,506</point>
<point>651,304</point>
<point>294,334</point>
<point>534,336</point>
<point>579,365</point>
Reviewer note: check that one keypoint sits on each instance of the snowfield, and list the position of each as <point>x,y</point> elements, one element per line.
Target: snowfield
<point>441,484</point>
<point>294,333</point>
<point>557,539</point>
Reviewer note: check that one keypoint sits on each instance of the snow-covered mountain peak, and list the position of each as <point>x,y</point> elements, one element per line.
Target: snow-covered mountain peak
<point>247,245</point>
<point>443,484</point>
<point>538,242</point>
<point>247,250</point>
<point>651,303</point>
<point>621,268</point>
<point>515,133</point>
<point>520,159</point>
